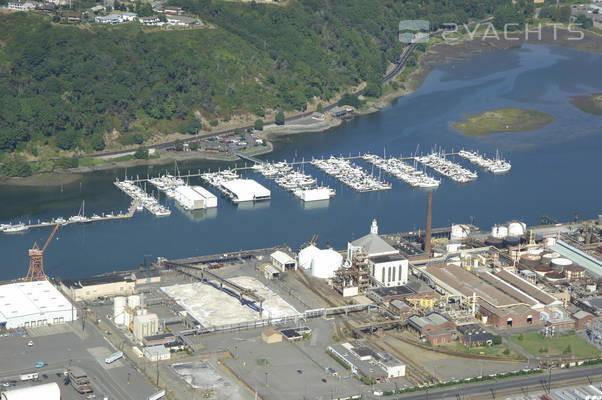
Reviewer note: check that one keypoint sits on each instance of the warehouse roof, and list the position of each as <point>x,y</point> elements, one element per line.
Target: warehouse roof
<point>387,258</point>
<point>527,287</point>
<point>29,298</point>
<point>95,280</point>
<point>433,319</point>
<point>246,189</point>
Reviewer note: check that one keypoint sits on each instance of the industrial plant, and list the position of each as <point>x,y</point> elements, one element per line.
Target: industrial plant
<point>390,313</point>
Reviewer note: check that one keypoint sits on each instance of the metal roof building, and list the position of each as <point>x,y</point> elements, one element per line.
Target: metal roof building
<point>246,190</point>
<point>47,391</point>
<point>195,197</point>
<point>29,304</point>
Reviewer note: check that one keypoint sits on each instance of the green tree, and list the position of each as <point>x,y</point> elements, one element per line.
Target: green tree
<point>16,165</point>
<point>280,118</point>
<point>258,125</point>
<point>141,153</point>
<point>178,145</point>
<point>67,162</point>
<point>193,146</point>
<point>320,108</point>
<point>97,141</point>
<point>373,89</point>
<point>584,22</point>
<point>66,139</point>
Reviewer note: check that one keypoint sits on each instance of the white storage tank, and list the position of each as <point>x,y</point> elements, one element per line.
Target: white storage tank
<point>560,263</point>
<point>546,258</point>
<point>499,231</point>
<point>326,263</point>
<point>47,391</point>
<point>306,255</point>
<point>133,301</point>
<point>119,303</point>
<point>516,228</point>
<point>459,231</point>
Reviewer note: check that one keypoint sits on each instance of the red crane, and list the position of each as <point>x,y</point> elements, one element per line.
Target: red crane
<point>36,259</point>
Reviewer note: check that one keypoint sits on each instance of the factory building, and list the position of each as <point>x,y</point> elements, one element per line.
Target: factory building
<point>365,362</point>
<point>283,262</point>
<point>99,286</point>
<point>475,335</point>
<point>504,299</point>
<point>195,197</point>
<point>388,267</point>
<point>30,304</point>
<point>241,190</point>
<point>434,328</point>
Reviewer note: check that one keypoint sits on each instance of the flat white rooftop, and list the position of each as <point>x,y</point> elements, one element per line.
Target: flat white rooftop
<point>211,306</point>
<point>195,192</point>
<point>246,190</point>
<point>23,299</point>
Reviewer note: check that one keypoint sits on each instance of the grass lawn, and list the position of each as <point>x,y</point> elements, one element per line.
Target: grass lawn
<point>533,343</point>
<point>591,103</point>
<point>493,350</point>
<point>89,161</point>
<point>503,120</point>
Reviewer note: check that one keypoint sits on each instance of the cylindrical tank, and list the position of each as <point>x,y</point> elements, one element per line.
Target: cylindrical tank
<point>499,231</point>
<point>119,303</point>
<point>306,255</point>
<point>326,263</point>
<point>554,276</point>
<point>530,260</point>
<point>459,231</point>
<point>574,271</point>
<point>47,391</point>
<point>535,251</point>
<point>133,301</point>
<point>516,228</point>
<point>559,264</point>
<point>549,256</point>
<point>591,287</point>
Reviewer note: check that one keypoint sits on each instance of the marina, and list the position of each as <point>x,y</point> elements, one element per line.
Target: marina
<point>302,185</point>
<point>403,171</point>
<point>142,199</point>
<point>350,174</point>
<point>451,170</point>
<point>496,165</point>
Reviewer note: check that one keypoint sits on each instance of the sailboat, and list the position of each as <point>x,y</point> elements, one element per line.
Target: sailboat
<point>80,217</point>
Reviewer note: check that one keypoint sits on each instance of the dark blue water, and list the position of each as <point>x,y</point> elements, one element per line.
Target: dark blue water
<point>556,172</point>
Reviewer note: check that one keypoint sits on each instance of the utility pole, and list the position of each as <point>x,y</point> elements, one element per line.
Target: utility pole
<point>157,373</point>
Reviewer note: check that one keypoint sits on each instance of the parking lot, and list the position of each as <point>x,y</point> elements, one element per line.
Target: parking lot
<point>61,346</point>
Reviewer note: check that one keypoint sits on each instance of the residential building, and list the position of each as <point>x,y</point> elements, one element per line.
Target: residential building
<point>21,5</point>
<point>153,20</point>
<point>129,17</point>
<point>181,20</point>
<point>111,19</point>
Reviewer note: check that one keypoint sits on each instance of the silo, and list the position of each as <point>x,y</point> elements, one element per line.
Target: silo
<point>119,303</point>
<point>530,260</point>
<point>306,255</point>
<point>326,263</point>
<point>516,228</point>
<point>499,231</point>
<point>133,301</point>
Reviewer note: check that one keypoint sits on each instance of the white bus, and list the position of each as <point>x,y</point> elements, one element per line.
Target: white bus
<point>29,377</point>
<point>114,357</point>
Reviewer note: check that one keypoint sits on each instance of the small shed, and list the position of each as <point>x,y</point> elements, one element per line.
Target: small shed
<point>283,261</point>
<point>270,272</point>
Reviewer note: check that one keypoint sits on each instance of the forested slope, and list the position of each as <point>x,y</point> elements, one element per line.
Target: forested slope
<point>67,86</point>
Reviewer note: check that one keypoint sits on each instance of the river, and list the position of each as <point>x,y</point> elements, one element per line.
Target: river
<point>555,172</point>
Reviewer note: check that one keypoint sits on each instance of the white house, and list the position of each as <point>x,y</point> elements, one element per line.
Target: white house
<point>129,16</point>
<point>21,6</point>
<point>111,19</point>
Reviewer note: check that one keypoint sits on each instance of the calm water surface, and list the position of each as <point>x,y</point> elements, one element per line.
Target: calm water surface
<point>556,172</point>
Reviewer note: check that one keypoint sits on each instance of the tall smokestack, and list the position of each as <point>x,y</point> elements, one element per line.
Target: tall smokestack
<point>429,218</point>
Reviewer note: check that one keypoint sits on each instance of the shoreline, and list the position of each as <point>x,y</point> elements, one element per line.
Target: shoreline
<point>438,54</point>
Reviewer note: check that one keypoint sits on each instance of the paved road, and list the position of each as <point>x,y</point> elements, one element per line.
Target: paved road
<point>538,380</point>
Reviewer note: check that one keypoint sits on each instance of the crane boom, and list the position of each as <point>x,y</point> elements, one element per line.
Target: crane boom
<point>50,237</point>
